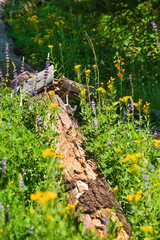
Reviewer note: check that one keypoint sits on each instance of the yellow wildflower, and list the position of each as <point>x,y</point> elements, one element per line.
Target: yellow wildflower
<point>50,46</point>
<point>48,153</point>
<point>11,182</point>
<point>36,195</point>
<point>70,207</point>
<point>137,197</point>
<point>40,42</point>
<point>61,166</point>
<point>57,23</point>
<point>137,141</point>
<point>138,155</point>
<point>102,90</point>
<point>83,92</point>
<point>54,106</point>
<point>115,189</point>
<point>144,229</point>
<point>120,224</point>
<point>133,167</point>
<point>50,185</point>
<point>117,150</point>
<point>139,103</point>
<point>51,93</point>
<point>146,107</point>
<point>43,197</point>
<point>33,19</point>
<point>124,99</point>
<point>139,192</point>
<point>51,195</point>
<point>155,231</point>
<point>32,211</point>
<point>1,230</point>
<point>110,84</point>
<point>150,229</point>
<point>87,72</point>
<point>76,68</point>
<point>128,157</point>
<point>60,45</point>
<point>94,66</point>
<point>49,217</point>
<point>29,147</point>
<point>130,197</point>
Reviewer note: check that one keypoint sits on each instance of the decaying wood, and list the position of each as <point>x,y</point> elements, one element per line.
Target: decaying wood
<point>94,198</point>
<point>37,80</point>
<point>62,86</point>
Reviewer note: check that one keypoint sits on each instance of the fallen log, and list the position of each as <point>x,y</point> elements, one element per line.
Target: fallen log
<point>94,198</point>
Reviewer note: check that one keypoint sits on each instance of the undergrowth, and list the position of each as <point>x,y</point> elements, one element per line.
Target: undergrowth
<point>118,135</point>
<point>118,29</point>
<point>33,201</point>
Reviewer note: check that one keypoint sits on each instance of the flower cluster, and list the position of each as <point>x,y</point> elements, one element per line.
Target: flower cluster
<point>148,229</point>
<point>48,153</point>
<point>139,103</point>
<point>33,19</point>
<point>87,72</point>
<point>43,197</point>
<point>146,107</point>
<point>77,67</point>
<point>118,64</point>
<point>110,82</point>
<point>51,93</point>
<point>132,157</point>
<point>135,197</point>
<point>124,99</point>
<point>102,90</point>
<point>54,106</point>
<point>69,208</point>
<point>156,143</point>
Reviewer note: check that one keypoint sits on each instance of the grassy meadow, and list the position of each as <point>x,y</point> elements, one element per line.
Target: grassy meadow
<point>105,53</point>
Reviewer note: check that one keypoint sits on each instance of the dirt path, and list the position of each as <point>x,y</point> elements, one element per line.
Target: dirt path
<point>3,40</point>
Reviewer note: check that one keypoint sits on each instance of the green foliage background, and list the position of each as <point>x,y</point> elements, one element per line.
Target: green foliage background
<point>113,26</point>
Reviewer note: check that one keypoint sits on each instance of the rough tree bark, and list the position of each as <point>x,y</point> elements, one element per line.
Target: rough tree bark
<point>94,198</point>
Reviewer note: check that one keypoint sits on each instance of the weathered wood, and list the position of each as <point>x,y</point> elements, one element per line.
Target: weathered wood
<point>68,87</point>
<point>94,198</point>
<point>38,81</point>
<point>62,86</point>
